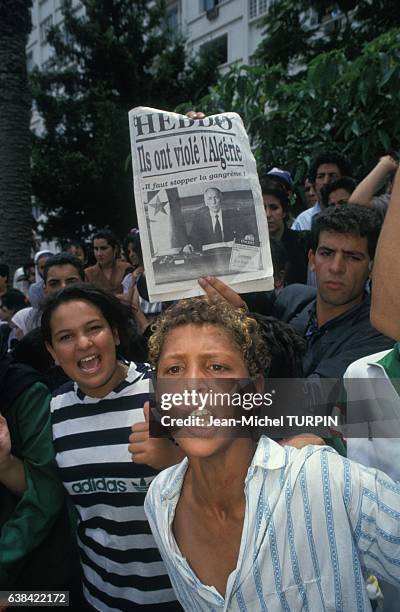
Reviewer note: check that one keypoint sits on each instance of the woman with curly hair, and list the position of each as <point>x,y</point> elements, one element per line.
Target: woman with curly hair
<point>251,525</point>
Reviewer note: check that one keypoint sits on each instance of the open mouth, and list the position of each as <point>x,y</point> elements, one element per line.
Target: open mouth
<point>90,365</point>
<point>203,418</point>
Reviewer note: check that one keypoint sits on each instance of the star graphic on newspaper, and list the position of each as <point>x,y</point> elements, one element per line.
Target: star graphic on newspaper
<point>158,206</point>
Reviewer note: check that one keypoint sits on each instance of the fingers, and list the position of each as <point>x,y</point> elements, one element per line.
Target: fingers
<point>213,286</point>
<point>146,410</point>
<point>139,438</point>
<point>195,115</point>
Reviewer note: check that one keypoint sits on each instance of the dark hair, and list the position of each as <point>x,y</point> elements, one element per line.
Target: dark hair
<point>203,310</point>
<point>341,162</point>
<point>14,300</point>
<point>286,347</point>
<point>108,235</point>
<point>350,219</point>
<point>269,188</point>
<point>134,239</point>
<point>63,259</point>
<point>4,270</point>
<point>115,313</point>
<point>279,255</point>
<point>78,244</point>
<point>344,182</point>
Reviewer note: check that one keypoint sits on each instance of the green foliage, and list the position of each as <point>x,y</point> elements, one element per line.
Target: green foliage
<point>290,36</point>
<point>118,56</point>
<point>350,106</point>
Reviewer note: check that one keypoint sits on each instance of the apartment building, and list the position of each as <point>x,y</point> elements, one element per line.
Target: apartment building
<point>233,26</point>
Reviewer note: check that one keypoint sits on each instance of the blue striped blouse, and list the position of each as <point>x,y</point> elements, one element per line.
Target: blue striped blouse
<point>315,524</point>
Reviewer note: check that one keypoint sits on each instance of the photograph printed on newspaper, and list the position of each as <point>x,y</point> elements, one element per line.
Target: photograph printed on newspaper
<point>199,204</point>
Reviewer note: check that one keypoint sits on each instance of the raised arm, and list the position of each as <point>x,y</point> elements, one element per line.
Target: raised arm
<point>385,309</point>
<point>12,474</point>
<point>365,191</point>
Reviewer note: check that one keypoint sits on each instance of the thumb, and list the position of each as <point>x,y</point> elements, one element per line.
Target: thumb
<point>146,411</point>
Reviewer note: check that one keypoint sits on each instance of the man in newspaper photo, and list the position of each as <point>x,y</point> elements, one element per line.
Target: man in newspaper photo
<point>214,223</point>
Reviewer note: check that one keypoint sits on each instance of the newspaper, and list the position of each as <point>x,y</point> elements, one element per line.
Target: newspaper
<point>199,204</point>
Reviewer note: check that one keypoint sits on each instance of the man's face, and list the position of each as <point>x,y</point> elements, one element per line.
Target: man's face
<point>78,252</point>
<point>310,194</point>
<point>341,264</point>
<point>338,197</point>
<point>212,199</point>
<point>275,213</point>
<point>59,277</point>
<point>326,173</point>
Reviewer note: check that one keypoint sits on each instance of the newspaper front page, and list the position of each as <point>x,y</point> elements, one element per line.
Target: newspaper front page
<point>199,204</point>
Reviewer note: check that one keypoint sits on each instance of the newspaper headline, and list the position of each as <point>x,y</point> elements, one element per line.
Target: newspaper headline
<point>199,204</point>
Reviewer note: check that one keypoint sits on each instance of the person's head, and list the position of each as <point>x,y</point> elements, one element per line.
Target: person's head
<point>78,249</point>
<point>4,276</point>
<point>343,247</point>
<point>133,249</point>
<point>218,324</point>
<point>326,168</point>
<point>338,192</point>
<point>29,271</point>
<point>82,327</point>
<point>11,302</point>
<point>276,205</point>
<point>286,346</point>
<point>40,261</point>
<point>282,178</point>
<point>201,339</point>
<point>309,191</point>
<point>105,247</point>
<point>60,271</point>
<point>212,199</point>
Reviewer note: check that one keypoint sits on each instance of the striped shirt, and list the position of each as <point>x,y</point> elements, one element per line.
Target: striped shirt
<point>121,564</point>
<point>313,520</point>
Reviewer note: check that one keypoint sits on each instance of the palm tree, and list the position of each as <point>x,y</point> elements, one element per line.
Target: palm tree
<point>16,221</point>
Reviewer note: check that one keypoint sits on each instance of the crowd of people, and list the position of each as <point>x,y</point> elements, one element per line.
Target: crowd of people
<point>91,503</point>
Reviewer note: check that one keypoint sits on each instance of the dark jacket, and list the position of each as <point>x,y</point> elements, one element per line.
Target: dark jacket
<point>235,226</point>
<point>296,245</point>
<point>37,549</point>
<point>336,344</point>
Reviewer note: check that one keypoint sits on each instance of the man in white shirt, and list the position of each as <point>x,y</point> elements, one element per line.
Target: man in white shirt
<point>326,168</point>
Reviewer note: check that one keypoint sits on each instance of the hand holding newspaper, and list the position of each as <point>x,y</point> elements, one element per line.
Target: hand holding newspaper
<point>199,204</point>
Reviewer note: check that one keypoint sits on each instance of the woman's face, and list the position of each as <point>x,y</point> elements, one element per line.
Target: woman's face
<point>133,257</point>
<point>103,252</point>
<point>41,262</point>
<point>84,345</point>
<point>200,352</point>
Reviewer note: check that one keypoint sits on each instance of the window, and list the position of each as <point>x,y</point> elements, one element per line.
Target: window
<point>257,8</point>
<point>217,49</point>
<point>208,5</point>
<point>44,28</point>
<point>172,18</point>
<point>30,64</point>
